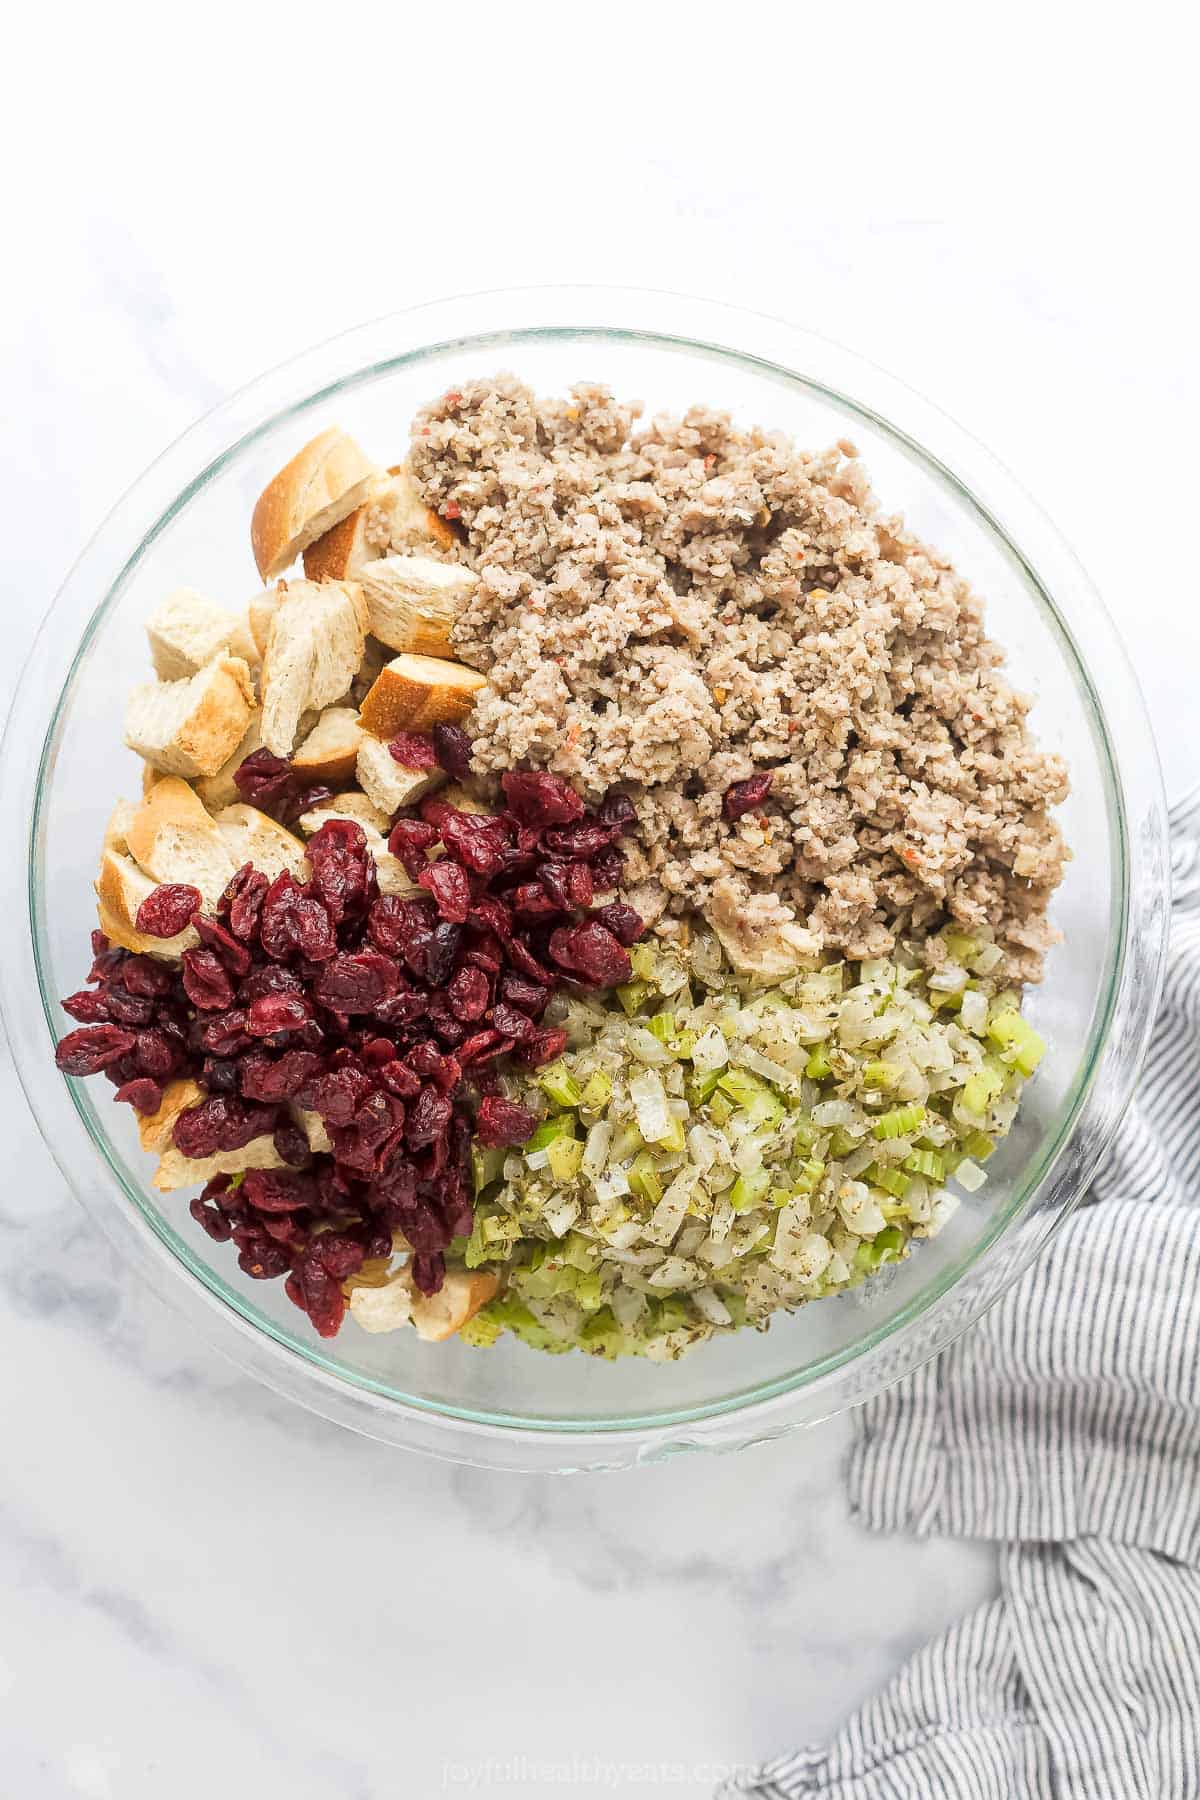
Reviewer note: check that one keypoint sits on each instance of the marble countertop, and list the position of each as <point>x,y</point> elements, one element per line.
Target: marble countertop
<point>204,1587</point>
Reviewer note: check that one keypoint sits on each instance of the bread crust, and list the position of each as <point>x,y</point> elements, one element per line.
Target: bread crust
<point>341,552</point>
<point>415,693</point>
<point>325,480</point>
<point>120,888</point>
<point>335,764</point>
<point>438,1316</point>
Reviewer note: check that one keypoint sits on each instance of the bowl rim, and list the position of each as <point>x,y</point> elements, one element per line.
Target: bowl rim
<point>783,351</point>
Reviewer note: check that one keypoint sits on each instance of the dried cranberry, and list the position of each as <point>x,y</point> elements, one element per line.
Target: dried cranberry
<point>428,1271</point>
<point>400,1080</point>
<point>242,901</point>
<point>273,1080</point>
<point>277,1012</point>
<point>167,911</point>
<point>625,924</point>
<point>219,1075</point>
<point>155,1054</point>
<point>481,1046</point>
<point>423,1059</point>
<point>475,839</point>
<point>607,870</point>
<point>340,872</point>
<point>220,1123</point>
<point>539,798</point>
<point>394,923</point>
<point>215,1222</point>
<point>226,948</point>
<point>127,1009</point>
<point>143,976</point>
<point>500,1123</point>
<point>277,1190</point>
<point>450,888</point>
<point>297,801</point>
<point>515,1025</point>
<point>408,842</point>
<point>269,978</point>
<point>428,1118</point>
<point>532,900</point>
<point>529,996</point>
<point>88,1007</point>
<point>437,956</point>
<point>402,1009</point>
<point>591,952</point>
<point>144,1095</point>
<point>617,812</point>
<point>453,747</point>
<point>543,1046</point>
<point>584,841</point>
<point>277,918</point>
<point>91,1049</point>
<point>413,750</point>
<point>468,994</point>
<point>226,1035</point>
<point>336,1095</point>
<point>743,796</point>
<point>263,779</point>
<point>206,981</point>
<point>354,984</point>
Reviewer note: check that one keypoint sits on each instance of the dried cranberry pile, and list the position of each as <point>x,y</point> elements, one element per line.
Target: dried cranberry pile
<point>385,1016</point>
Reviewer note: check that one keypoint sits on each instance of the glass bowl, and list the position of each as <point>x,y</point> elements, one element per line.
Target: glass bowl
<point>186,521</point>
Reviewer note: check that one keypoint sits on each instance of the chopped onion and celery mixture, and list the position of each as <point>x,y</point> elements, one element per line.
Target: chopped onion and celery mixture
<point>710,1151</point>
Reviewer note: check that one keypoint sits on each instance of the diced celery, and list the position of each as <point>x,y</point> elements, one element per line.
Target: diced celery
<point>890,1180</point>
<point>809,1176</point>
<point>481,1333</point>
<point>961,947</point>
<point>558,1083</point>
<point>736,1305</point>
<point>818,1065</point>
<point>579,1253</point>
<point>700,1088</point>
<point>778,1197</point>
<point>841,1143</point>
<point>662,1026</point>
<point>641,959</point>
<point>600,1335</point>
<point>674,1138</point>
<point>978,1145</point>
<point>631,994</point>
<point>588,1291</point>
<point>899,1122</point>
<point>927,1163</point>
<point>982,1088</point>
<point>881,1075</point>
<point>749,1190</point>
<point>597,1092</point>
<point>673,1314</point>
<point>561,1126</point>
<point>741,1086</point>
<point>643,1179</point>
<point>565,1154</point>
<point>627,1141</point>
<point>720,1109</point>
<point>683,1043</point>
<point>486,1166</point>
<point>498,1228</point>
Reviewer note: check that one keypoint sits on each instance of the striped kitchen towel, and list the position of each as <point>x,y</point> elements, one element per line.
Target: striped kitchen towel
<point>1066,1426</point>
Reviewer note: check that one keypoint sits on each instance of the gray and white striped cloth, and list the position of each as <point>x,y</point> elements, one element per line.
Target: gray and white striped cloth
<point>1066,1426</point>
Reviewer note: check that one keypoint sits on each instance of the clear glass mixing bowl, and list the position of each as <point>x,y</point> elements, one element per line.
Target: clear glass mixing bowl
<point>186,521</point>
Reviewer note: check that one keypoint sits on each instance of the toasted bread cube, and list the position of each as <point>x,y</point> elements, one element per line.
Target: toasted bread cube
<point>314,647</point>
<point>120,889</point>
<point>155,1129</point>
<point>174,839</point>
<point>175,1170</point>
<point>324,482</point>
<point>415,693</point>
<point>251,836</point>
<point>393,517</point>
<point>387,783</point>
<point>414,601</point>
<point>188,630</point>
<point>330,751</point>
<point>191,727</point>
<point>438,1316</point>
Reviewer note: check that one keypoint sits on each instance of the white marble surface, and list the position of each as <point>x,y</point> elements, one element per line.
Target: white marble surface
<point>203,1588</point>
